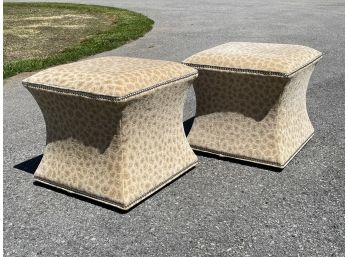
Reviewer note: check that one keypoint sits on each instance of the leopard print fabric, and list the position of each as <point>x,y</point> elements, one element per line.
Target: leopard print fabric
<point>116,152</point>
<point>251,116</point>
<point>280,59</point>
<point>114,76</point>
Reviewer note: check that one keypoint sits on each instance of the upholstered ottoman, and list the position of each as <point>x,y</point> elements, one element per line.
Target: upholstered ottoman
<point>114,127</point>
<point>251,101</point>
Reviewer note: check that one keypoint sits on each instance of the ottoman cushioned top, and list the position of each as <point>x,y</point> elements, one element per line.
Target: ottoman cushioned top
<point>113,77</point>
<point>260,58</point>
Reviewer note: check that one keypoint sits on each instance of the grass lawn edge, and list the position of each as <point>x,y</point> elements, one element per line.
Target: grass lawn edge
<point>135,26</point>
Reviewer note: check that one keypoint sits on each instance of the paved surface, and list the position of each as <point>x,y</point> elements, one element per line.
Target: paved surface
<point>220,208</point>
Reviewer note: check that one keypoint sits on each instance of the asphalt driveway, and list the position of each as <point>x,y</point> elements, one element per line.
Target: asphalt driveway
<point>220,208</point>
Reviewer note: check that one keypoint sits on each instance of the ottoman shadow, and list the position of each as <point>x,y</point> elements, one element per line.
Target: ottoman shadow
<point>30,165</point>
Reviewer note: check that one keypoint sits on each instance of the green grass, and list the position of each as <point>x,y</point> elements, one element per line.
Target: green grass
<point>40,35</point>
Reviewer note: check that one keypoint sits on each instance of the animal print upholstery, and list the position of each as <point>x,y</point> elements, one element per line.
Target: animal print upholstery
<point>117,151</point>
<point>247,115</point>
<point>117,77</point>
<point>261,58</point>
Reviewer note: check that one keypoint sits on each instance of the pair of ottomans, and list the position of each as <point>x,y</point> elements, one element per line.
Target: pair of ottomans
<point>114,124</point>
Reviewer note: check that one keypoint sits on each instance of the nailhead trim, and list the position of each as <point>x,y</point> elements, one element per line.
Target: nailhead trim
<point>114,203</point>
<point>249,71</point>
<point>58,89</point>
<point>250,159</point>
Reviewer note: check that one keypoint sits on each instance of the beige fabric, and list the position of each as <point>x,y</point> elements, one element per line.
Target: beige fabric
<point>281,59</point>
<point>112,76</point>
<point>252,117</point>
<point>114,152</point>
